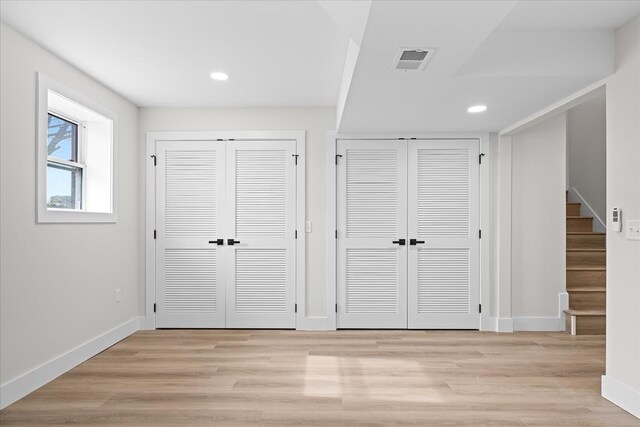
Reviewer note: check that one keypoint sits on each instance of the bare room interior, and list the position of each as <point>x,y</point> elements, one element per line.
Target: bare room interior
<point>309,212</point>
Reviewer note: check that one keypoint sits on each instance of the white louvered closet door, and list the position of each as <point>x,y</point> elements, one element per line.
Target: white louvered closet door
<point>190,197</point>
<point>261,202</point>
<point>372,215</point>
<point>444,211</point>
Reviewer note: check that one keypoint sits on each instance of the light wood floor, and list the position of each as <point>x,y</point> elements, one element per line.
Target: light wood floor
<point>230,377</point>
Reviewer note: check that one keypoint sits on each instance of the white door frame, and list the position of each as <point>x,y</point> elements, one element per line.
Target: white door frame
<point>485,213</point>
<point>148,321</point>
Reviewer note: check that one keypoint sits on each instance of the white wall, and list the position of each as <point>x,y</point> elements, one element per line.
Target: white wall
<point>621,384</point>
<point>315,121</point>
<point>58,281</point>
<point>538,221</point>
<point>587,152</point>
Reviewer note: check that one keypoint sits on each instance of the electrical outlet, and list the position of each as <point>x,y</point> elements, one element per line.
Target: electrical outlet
<point>118,295</point>
<point>633,230</point>
<point>307,227</point>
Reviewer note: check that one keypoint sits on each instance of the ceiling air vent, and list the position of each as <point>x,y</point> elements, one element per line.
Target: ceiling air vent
<point>412,59</point>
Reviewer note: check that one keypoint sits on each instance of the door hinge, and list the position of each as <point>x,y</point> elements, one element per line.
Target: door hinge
<point>155,234</point>
<point>479,234</point>
<point>336,233</point>
<point>480,156</point>
<point>338,155</point>
<point>479,308</point>
<point>154,307</point>
<point>336,307</point>
<point>153,156</point>
<point>296,234</point>
<point>295,156</point>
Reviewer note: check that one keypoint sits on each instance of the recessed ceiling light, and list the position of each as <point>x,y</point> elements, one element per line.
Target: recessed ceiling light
<point>477,108</point>
<point>219,76</point>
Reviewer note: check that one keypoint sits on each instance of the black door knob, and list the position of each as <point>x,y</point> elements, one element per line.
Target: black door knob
<point>232,242</point>
<point>414,242</point>
<point>400,242</point>
<point>218,242</point>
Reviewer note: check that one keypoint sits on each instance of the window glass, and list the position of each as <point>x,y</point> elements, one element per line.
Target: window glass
<point>62,139</point>
<point>64,187</point>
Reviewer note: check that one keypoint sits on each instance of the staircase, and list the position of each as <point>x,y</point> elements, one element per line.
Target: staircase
<point>586,275</point>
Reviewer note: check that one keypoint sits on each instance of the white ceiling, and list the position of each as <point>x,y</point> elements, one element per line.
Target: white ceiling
<point>570,15</point>
<point>160,53</point>
<point>514,56</point>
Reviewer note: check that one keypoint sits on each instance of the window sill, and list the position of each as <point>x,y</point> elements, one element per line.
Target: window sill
<point>64,216</point>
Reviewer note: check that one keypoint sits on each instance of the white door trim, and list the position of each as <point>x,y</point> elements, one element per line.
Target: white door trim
<point>485,214</point>
<point>148,320</point>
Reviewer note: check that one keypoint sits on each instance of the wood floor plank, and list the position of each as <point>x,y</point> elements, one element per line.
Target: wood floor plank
<point>338,378</point>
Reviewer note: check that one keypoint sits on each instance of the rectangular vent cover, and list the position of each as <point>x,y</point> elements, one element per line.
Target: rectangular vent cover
<point>414,59</point>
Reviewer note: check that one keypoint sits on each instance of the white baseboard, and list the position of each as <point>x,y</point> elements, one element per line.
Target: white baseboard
<point>505,324</point>
<point>563,303</point>
<point>147,323</point>
<point>542,324</point>
<point>496,324</point>
<point>488,324</point>
<point>19,387</point>
<point>621,395</point>
<point>314,324</point>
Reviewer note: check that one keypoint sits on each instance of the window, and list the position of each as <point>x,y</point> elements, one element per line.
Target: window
<point>64,167</point>
<point>75,157</point>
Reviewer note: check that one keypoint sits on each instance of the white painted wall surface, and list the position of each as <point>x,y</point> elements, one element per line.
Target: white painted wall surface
<point>58,281</point>
<point>315,121</point>
<point>621,384</point>
<point>587,152</point>
<point>538,219</point>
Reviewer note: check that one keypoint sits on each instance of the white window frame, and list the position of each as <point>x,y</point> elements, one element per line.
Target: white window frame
<point>53,215</point>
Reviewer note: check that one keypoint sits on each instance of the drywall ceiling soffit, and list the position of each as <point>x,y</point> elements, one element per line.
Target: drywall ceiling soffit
<point>532,53</point>
<point>570,15</point>
<point>515,57</point>
<point>381,99</point>
<point>278,53</point>
<point>351,16</point>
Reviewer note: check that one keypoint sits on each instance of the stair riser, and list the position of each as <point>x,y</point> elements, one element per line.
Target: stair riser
<point>573,210</point>
<point>586,241</point>
<point>587,300</point>
<point>579,224</point>
<point>586,279</point>
<point>586,259</point>
<point>587,325</point>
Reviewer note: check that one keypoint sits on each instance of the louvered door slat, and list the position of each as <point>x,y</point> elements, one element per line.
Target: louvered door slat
<point>371,192</point>
<point>190,280</point>
<point>443,193</point>
<point>444,281</point>
<point>372,281</point>
<point>444,213</point>
<point>261,281</point>
<point>190,193</point>
<point>261,201</point>
<point>371,215</point>
<point>261,193</point>
<point>190,177</point>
